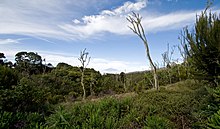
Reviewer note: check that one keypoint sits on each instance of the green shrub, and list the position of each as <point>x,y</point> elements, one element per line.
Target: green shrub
<point>24,97</point>
<point>168,108</point>
<point>214,121</point>
<point>108,113</point>
<point>175,106</point>
<point>20,120</point>
<point>8,77</point>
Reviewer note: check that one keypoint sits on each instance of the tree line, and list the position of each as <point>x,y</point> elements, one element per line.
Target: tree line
<point>31,85</point>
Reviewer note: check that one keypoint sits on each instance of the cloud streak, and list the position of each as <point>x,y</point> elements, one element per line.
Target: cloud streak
<point>106,21</point>
<point>114,21</point>
<point>51,19</point>
<point>11,41</point>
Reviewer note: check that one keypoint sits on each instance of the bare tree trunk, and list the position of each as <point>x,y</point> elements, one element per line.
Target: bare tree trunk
<point>156,83</point>
<point>84,62</point>
<point>125,88</point>
<point>167,58</point>
<point>151,82</point>
<point>91,84</point>
<point>178,68</point>
<point>138,29</point>
<point>91,90</point>
<point>170,78</point>
<point>83,86</point>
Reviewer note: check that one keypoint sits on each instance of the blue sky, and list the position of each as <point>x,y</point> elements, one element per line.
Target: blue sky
<point>59,29</point>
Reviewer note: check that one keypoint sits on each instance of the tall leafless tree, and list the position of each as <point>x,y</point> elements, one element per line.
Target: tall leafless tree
<point>138,29</point>
<point>84,60</point>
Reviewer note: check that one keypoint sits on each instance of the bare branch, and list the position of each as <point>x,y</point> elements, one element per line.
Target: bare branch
<point>88,62</point>
<point>132,29</point>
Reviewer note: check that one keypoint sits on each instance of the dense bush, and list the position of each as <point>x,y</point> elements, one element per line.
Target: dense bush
<point>24,97</point>
<point>203,47</point>
<point>20,120</point>
<point>214,121</point>
<point>108,113</point>
<point>8,77</point>
<point>171,107</point>
<point>212,111</point>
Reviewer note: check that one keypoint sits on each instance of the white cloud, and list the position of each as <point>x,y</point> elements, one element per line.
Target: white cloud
<point>117,24</point>
<point>11,41</point>
<point>126,8</point>
<point>170,21</point>
<point>114,21</point>
<point>172,0</point>
<point>45,19</point>
<point>40,18</point>
<point>106,21</point>
<point>51,19</point>
<point>33,18</point>
<point>76,21</point>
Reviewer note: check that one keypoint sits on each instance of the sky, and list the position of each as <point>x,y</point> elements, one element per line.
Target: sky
<point>59,29</point>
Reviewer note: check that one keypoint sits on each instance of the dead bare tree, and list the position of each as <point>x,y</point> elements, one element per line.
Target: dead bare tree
<point>138,29</point>
<point>183,49</point>
<point>91,84</point>
<point>84,60</point>
<point>167,60</point>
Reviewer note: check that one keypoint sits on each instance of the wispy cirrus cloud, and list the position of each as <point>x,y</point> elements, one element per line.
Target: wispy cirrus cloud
<point>127,7</point>
<point>52,19</point>
<point>32,18</point>
<point>41,18</point>
<point>114,21</point>
<point>172,0</point>
<point>11,41</point>
<point>105,21</point>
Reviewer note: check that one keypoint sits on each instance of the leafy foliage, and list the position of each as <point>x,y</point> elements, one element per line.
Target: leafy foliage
<point>91,115</point>
<point>155,122</point>
<point>8,77</point>
<point>24,97</point>
<point>28,62</point>
<point>169,108</point>
<point>20,120</point>
<point>214,121</point>
<point>204,47</point>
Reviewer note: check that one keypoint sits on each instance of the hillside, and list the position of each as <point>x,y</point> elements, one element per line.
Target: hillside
<point>175,106</point>
<point>186,95</point>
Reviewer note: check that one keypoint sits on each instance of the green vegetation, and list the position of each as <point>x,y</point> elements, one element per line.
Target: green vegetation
<point>152,109</point>
<point>36,95</point>
<point>204,47</point>
<point>174,106</point>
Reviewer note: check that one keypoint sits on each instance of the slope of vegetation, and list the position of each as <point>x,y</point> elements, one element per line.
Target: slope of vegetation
<point>168,108</point>
<point>180,105</point>
<point>34,94</point>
